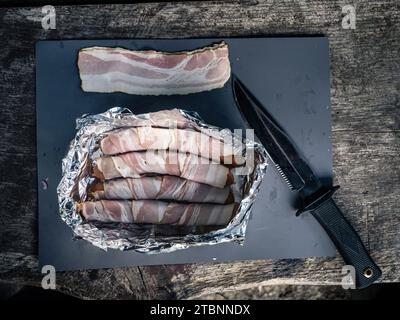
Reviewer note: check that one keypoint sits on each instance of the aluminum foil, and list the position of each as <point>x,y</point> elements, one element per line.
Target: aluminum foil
<point>146,238</point>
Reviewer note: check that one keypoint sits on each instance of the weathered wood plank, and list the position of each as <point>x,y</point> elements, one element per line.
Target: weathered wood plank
<point>191,281</point>
<point>365,67</point>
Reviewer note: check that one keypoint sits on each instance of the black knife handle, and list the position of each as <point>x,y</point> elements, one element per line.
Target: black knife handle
<point>347,242</point>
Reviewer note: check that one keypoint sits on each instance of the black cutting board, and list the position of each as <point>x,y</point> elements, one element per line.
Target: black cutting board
<point>290,76</point>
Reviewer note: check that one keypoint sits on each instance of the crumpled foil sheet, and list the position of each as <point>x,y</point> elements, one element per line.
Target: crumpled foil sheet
<point>143,238</point>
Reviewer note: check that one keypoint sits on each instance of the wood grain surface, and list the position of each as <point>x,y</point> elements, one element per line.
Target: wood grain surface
<point>365,89</point>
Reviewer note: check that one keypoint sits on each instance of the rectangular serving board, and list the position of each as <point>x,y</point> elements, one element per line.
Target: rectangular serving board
<point>290,76</point>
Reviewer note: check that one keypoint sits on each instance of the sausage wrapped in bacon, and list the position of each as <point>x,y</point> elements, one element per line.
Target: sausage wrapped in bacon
<point>160,188</point>
<point>150,138</point>
<point>185,165</point>
<point>157,212</point>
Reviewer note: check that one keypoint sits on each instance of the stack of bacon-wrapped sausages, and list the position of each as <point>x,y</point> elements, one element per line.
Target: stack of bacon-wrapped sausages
<point>163,170</point>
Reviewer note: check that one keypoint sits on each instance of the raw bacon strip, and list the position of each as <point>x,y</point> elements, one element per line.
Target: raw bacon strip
<point>150,138</point>
<point>157,212</point>
<point>160,188</point>
<point>185,165</point>
<point>152,72</point>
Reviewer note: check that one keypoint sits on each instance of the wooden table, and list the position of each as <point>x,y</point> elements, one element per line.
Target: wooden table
<point>365,89</point>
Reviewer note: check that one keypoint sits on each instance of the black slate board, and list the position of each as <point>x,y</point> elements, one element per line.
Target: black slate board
<point>290,76</point>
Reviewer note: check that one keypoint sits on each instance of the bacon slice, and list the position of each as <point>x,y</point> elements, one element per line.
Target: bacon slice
<point>152,72</point>
<point>185,165</point>
<point>150,138</point>
<point>157,212</point>
<point>160,188</point>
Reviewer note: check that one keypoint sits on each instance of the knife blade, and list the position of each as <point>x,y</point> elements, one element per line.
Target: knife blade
<point>316,198</point>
